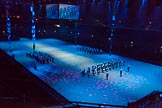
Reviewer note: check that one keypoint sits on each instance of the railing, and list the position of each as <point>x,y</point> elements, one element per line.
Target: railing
<point>97,105</point>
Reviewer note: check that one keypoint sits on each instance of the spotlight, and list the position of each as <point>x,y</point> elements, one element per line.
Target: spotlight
<point>160,95</point>
<point>57,25</point>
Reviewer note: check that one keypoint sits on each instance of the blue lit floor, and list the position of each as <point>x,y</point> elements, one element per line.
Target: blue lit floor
<point>64,76</point>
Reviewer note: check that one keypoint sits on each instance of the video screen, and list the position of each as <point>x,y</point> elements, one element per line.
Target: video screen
<point>52,11</point>
<point>68,12</point>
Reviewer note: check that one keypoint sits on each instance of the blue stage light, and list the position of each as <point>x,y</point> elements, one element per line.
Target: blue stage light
<point>33,25</point>
<point>143,2</point>
<point>113,17</point>
<point>33,13</point>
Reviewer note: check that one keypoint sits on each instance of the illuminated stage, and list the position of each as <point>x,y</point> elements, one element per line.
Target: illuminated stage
<point>64,75</point>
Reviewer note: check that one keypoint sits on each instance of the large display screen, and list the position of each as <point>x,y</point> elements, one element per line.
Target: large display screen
<point>68,11</point>
<point>52,11</point>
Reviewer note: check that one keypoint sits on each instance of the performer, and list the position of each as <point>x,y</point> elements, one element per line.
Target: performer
<point>88,71</point>
<point>93,70</point>
<point>83,73</point>
<point>35,66</point>
<point>98,69</point>
<point>121,72</point>
<point>128,69</point>
<point>123,62</point>
<point>107,75</point>
<point>103,67</point>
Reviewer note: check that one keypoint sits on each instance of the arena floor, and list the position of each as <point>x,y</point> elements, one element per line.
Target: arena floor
<point>64,75</point>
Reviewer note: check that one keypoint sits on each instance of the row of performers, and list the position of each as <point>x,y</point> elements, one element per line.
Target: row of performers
<point>89,50</point>
<point>103,67</point>
<point>41,57</point>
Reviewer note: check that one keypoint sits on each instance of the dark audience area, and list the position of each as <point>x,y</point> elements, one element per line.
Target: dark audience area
<point>21,89</point>
<point>152,100</point>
